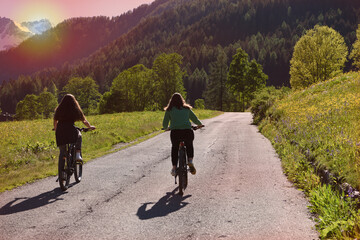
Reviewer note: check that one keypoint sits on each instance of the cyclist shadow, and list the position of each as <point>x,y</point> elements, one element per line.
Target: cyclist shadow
<point>31,203</point>
<point>171,202</point>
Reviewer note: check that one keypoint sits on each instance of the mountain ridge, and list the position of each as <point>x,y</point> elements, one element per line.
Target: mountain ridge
<point>13,34</point>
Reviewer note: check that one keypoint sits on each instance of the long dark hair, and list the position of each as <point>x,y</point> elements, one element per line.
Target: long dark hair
<point>177,101</point>
<point>69,110</point>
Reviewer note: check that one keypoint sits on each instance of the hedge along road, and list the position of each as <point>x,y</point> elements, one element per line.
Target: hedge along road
<point>239,192</point>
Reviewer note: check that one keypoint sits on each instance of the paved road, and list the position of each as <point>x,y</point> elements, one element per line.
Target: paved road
<point>239,192</point>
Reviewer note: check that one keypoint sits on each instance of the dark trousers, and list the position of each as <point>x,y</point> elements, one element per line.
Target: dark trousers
<point>178,135</point>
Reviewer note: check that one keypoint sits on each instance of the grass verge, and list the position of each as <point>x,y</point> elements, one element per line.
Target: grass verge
<point>320,125</point>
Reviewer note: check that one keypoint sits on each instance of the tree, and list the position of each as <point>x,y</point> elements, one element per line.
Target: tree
<point>216,91</point>
<point>132,90</point>
<point>245,77</point>
<point>47,103</point>
<point>168,77</point>
<point>85,91</point>
<point>28,108</point>
<point>196,84</point>
<point>318,55</point>
<point>355,53</point>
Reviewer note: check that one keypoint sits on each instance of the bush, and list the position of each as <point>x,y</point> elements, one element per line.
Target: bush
<point>199,104</point>
<point>264,99</point>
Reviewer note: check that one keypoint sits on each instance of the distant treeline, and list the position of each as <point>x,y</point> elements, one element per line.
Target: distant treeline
<point>266,29</point>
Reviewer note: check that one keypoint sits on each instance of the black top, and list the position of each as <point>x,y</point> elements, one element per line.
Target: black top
<point>66,132</point>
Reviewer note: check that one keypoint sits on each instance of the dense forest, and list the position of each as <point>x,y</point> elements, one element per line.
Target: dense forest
<point>198,30</point>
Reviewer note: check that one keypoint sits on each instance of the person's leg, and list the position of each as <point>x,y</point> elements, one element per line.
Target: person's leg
<point>62,153</point>
<point>189,138</point>
<point>175,141</point>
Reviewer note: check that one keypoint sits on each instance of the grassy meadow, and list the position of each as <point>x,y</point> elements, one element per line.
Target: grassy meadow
<point>28,150</point>
<point>320,124</point>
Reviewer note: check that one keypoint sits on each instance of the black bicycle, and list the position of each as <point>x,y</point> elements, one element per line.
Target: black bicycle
<point>68,165</point>
<point>182,169</point>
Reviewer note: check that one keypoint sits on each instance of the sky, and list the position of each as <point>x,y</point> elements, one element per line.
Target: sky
<point>58,10</point>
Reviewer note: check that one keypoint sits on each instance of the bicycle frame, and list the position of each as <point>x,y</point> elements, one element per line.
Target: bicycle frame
<point>69,165</point>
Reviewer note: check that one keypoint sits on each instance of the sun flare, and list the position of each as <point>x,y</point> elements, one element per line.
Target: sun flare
<point>37,10</point>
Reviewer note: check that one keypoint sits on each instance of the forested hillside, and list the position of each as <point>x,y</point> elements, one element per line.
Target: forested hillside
<point>69,41</point>
<point>200,30</point>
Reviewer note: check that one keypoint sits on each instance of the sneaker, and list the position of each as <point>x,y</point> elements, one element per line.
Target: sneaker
<point>192,168</point>
<point>173,172</point>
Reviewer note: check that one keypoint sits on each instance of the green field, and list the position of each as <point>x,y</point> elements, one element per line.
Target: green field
<point>320,124</point>
<point>28,150</point>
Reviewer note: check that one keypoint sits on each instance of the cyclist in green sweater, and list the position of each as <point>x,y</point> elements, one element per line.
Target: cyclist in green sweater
<point>179,113</point>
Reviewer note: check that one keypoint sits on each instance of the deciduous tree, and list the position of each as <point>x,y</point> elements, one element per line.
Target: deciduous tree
<point>319,55</point>
<point>85,91</point>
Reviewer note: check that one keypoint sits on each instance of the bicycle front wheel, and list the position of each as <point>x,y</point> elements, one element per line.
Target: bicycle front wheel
<point>63,175</point>
<point>182,171</point>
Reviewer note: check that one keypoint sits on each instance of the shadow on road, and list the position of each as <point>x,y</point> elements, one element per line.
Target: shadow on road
<point>31,203</point>
<point>171,202</point>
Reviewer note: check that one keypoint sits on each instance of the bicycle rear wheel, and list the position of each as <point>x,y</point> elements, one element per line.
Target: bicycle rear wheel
<point>64,177</point>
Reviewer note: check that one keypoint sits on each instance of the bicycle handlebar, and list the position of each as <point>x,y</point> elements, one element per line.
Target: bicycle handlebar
<point>85,129</point>
<point>197,127</point>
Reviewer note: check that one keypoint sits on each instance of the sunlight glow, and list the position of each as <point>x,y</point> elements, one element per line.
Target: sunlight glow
<point>37,10</point>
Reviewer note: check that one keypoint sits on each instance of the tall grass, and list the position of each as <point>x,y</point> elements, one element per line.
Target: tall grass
<point>28,150</point>
<point>320,124</point>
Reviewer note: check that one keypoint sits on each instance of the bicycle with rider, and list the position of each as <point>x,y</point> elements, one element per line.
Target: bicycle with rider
<point>179,114</point>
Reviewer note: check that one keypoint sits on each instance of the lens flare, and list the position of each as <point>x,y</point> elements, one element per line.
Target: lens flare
<point>40,9</point>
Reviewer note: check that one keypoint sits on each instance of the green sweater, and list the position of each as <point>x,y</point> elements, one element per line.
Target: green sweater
<point>180,118</point>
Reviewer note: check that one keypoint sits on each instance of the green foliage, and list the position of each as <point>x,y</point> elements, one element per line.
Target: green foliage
<point>139,88</point>
<point>199,104</point>
<point>168,77</point>
<point>47,103</point>
<point>319,55</point>
<point>264,99</point>
<point>216,93</point>
<point>86,93</point>
<point>195,84</point>
<point>336,213</point>
<point>29,108</point>
<point>355,53</point>
<point>320,124</point>
<point>245,77</point>
<point>131,90</point>
<point>35,107</point>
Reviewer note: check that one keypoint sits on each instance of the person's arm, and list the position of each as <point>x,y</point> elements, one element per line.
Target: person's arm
<point>88,124</point>
<point>166,120</point>
<point>194,118</point>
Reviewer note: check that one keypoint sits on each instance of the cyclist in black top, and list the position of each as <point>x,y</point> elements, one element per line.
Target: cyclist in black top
<point>66,114</point>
